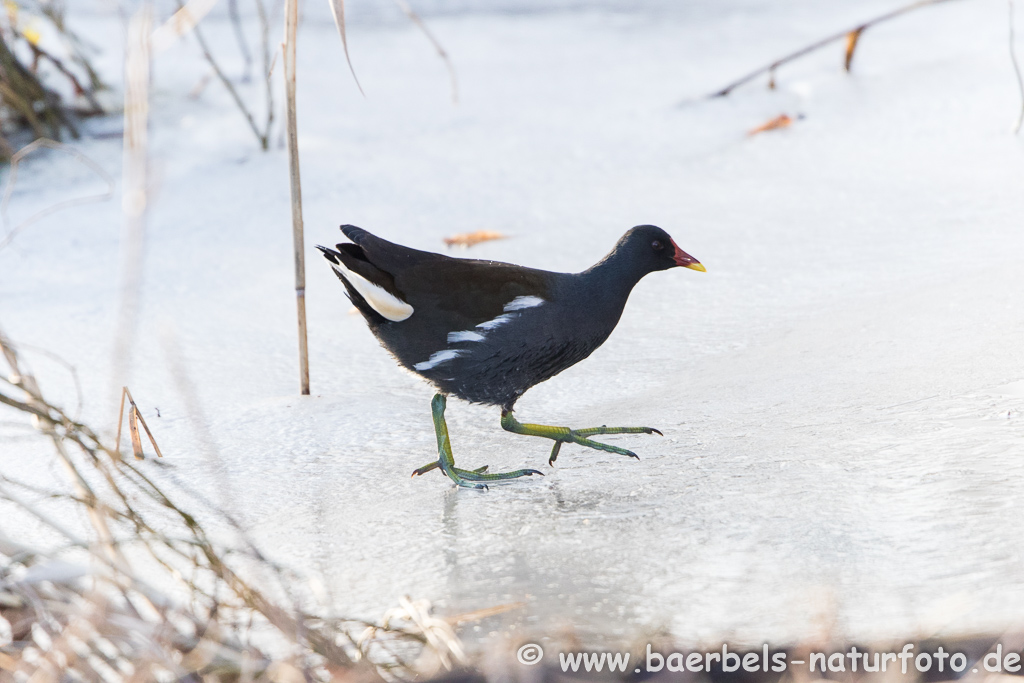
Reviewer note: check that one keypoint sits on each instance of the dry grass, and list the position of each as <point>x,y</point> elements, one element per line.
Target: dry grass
<point>32,72</point>
<point>140,590</point>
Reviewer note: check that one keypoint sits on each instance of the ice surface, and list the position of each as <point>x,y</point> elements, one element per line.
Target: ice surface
<point>840,393</point>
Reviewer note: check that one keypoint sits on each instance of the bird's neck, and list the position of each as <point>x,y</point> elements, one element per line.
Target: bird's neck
<point>612,278</point>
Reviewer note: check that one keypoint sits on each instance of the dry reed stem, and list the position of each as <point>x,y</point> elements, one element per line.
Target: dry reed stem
<point>291,22</point>
<point>134,418</point>
<point>135,186</point>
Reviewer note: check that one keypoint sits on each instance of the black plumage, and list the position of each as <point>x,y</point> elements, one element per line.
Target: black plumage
<point>486,331</point>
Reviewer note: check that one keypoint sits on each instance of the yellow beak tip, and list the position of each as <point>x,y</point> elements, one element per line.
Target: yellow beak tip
<point>697,266</point>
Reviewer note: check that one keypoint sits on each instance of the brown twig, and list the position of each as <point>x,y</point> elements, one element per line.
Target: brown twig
<point>441,52</point>
<point>268,65</point>
<point>243,47</point>
<point>79,88</point>
<point>262,136</point>
<point>856,30</point>
<point>55,13</point>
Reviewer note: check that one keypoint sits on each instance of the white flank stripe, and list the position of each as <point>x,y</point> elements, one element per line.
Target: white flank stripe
<point>438,358</point>
<point>521,302</point>
<point>496,322</point>
<point>380,300</point>
<point>467,335</point>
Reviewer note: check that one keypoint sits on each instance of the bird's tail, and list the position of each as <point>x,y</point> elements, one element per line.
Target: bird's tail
<point>370,289</point>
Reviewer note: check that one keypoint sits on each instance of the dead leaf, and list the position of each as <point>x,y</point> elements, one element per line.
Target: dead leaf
<point>338,12</point>
<point>851,44</point>
<point>780,121</point>
<point>468,239</point>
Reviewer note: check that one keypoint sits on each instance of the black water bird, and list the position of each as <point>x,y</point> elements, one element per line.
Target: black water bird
<point>486,331</point>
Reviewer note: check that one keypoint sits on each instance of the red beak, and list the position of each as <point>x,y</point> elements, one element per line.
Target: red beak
<point>686,261</point>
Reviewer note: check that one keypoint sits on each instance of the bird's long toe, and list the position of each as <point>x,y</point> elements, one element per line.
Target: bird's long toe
<point>478,475</point>
<point>592,431</point>
<point>597,445</point>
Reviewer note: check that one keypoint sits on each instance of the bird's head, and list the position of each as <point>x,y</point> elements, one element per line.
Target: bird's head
<point>651,248</point>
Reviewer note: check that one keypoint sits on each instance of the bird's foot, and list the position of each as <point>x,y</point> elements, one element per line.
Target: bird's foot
<point>562,435</point>
<point>479,474</point>
<point>471,479</point>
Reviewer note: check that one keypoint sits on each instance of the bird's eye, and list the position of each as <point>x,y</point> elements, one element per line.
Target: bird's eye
<point>657,245</point>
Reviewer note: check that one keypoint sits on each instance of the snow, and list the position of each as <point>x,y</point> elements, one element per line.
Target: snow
<point>840,393</point>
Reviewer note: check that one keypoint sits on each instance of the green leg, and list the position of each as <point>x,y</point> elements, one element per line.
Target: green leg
<point>446,461</point>
<point>562,435</point>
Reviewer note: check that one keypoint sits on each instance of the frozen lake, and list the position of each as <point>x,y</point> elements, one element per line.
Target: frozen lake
<point>841,393</point>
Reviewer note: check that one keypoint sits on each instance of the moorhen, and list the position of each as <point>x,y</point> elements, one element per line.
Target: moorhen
<point>486,331</point>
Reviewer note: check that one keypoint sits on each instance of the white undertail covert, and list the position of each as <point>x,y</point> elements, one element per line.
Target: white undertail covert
<point>380,300</point>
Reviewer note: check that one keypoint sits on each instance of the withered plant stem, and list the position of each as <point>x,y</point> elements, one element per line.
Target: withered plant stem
<point>291,23</point>
<point>817,45</point>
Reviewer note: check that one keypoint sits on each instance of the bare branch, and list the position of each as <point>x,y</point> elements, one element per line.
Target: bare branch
<point>856,30</point>
<point>243,47</point>
<point>441,52</point>
<point>262,137</point>
<point>268,65</point>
